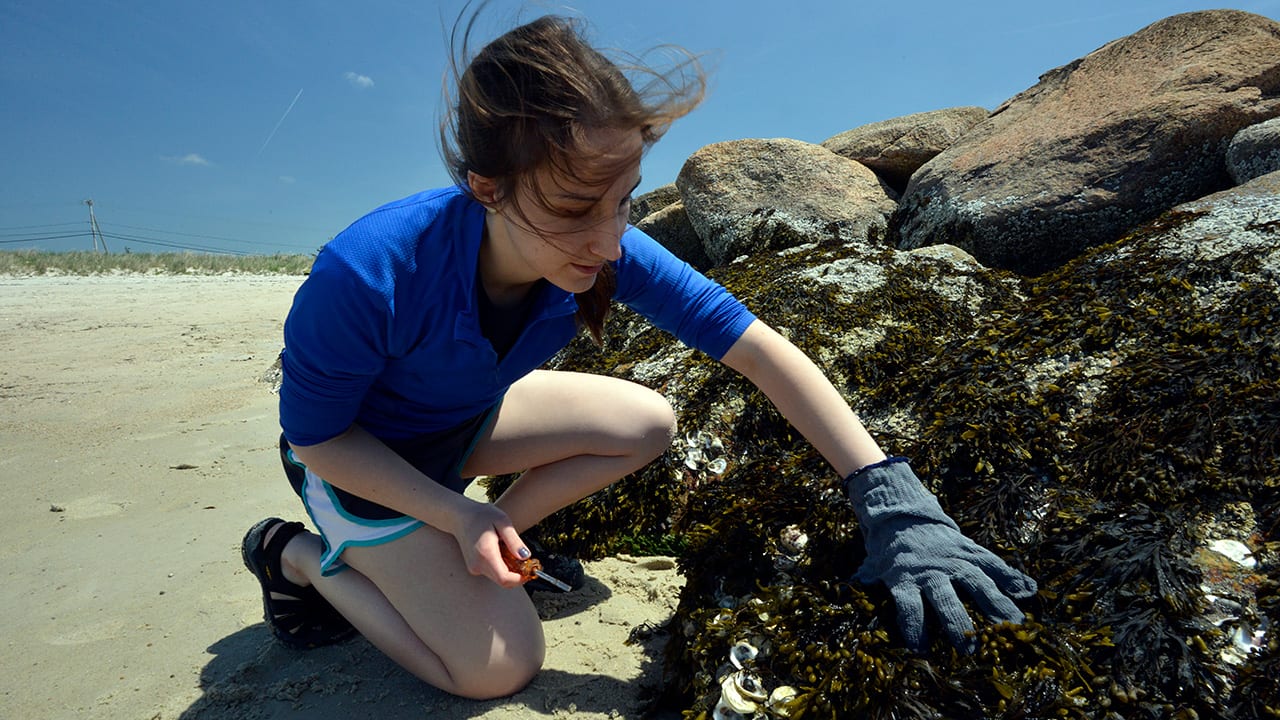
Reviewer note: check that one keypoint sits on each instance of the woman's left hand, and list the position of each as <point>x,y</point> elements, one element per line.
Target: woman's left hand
<point>481,529</point>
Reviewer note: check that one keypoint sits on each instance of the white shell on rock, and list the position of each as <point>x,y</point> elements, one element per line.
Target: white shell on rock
<point>742,652</point>
<point>742,692</point>
<point>1236,550</point>
<point>778,700</point>
<point>724,712</point>
<point>704,452</point>
<point>793,540</point>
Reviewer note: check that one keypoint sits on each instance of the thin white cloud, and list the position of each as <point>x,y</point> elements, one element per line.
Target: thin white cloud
<point>188,159</point>
<point>357,80</point>
<point>287,179</point>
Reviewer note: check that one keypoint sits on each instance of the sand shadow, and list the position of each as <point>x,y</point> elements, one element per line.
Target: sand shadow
<point>252,677</point>
<point>557,605</point>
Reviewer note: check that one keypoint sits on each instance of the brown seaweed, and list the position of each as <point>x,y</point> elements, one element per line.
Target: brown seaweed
<point>1087,426</point>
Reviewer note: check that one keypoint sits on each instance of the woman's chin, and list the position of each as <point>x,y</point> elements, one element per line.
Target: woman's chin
<point>574,284</point>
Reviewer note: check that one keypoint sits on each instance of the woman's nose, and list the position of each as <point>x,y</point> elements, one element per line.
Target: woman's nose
<point>607,244</point>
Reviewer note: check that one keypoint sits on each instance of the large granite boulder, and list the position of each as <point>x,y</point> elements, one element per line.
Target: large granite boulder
<point>745,196</point>
<point>897,147</point>
<point>1254,151</point>
<point>1110,427</point>
<point>1100,145</point>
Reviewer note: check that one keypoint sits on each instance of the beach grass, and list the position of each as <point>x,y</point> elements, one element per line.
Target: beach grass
<point>38,262</point>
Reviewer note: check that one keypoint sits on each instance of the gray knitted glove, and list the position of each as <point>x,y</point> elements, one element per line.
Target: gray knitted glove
<point>919,553</point>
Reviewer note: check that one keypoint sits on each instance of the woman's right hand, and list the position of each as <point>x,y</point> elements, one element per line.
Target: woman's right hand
<point>481,529</point>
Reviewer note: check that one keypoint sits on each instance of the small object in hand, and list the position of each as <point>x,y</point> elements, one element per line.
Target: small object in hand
<point>530,569</point>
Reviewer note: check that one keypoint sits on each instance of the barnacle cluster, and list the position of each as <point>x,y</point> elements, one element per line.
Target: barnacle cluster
<point>744,693</point>
<point>1112,428</point>
<point>704,454</point>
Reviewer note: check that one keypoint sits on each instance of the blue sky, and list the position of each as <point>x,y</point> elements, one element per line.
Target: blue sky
<point>254,127</point>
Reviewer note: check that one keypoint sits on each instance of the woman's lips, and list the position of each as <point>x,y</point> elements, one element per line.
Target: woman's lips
<point>587,269</point>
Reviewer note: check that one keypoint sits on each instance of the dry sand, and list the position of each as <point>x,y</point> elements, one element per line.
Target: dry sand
<point>138,445</point>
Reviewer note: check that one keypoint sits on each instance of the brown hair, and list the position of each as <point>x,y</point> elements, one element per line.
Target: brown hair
<point>525,100</point>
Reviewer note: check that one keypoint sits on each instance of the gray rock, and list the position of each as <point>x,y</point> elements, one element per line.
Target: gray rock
<point>1100,145</point>
<point>1108,426</point>
<point>653,201</point>
<point>670,226</point>
<point>1121,404</point>
<point>897,147</point>
<point>1254,151</point>
<point>838,303</point>
<point>746,196</point>
<point>1238,228</point>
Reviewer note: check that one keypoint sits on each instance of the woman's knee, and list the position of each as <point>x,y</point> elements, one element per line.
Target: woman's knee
<point>506,677</point>
<point>656,423</point>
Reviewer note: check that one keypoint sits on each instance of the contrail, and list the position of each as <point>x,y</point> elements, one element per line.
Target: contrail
<point>278,123</point>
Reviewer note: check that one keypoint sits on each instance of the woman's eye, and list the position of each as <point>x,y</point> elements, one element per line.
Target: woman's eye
<point>573,212</point>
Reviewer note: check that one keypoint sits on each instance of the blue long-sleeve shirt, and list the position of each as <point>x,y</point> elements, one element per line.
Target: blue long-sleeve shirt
<point>385,332</point>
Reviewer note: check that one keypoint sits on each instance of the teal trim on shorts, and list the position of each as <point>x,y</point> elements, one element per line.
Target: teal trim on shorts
<point>475,439</point>
<point>331,559</point>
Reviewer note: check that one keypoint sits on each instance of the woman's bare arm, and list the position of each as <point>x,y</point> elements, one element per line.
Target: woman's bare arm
<point>804,396</point>
<point>362,465</point>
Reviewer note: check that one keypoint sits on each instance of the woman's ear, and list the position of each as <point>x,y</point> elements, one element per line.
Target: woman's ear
<point>483,188</point>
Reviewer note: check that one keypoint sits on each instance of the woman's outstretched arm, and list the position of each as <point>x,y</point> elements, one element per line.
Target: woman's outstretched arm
<point>804,396</point>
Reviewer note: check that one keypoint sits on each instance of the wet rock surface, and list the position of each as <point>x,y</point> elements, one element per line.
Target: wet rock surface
<point>1105,418</point>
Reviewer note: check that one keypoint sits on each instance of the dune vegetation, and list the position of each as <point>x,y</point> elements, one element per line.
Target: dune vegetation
<point>34,262</point>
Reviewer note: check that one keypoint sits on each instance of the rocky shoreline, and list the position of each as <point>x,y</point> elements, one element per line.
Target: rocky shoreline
<point>1064,311</point>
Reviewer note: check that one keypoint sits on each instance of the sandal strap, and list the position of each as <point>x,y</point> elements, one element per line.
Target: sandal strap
<point>298,616</point>
<point>271,560</point>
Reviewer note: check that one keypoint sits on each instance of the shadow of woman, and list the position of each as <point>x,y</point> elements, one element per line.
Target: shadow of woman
<point>252,677</point>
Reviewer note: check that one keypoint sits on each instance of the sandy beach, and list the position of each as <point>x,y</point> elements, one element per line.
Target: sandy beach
<point>139,439</point>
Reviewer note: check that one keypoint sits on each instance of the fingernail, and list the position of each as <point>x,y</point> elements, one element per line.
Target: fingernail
<point>523,553</point>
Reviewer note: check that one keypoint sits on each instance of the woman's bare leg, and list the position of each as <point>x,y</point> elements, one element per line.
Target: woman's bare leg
<point>412,596</point>
<point>573,434</point>
<point>414,599</point>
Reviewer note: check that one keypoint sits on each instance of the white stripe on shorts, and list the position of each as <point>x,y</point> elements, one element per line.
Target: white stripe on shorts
<point>340,529</point>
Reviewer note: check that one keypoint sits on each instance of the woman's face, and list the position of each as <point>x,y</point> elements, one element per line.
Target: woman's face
<point>568,242</point>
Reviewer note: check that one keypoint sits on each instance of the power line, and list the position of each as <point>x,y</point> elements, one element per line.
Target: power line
<point>36,227</point>
<point>45,237</point>
<point>12,235</point>
<point>197,235</point>
<point>28,235</point>
<point>179,246</point>
<point>131,238</point>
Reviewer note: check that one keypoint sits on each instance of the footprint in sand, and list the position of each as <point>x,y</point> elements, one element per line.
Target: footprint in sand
<point>93,506</point>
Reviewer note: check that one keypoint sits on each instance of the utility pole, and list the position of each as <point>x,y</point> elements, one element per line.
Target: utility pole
<point>94,230</point>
